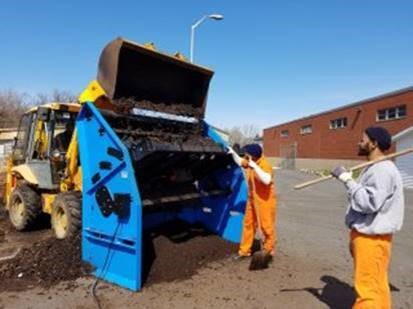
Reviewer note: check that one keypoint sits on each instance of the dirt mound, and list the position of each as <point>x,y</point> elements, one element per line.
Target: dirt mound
<point>174,251</point>
<point>44,264</point>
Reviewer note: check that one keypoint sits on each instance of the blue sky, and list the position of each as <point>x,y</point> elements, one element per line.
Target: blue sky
<point>274,61</point>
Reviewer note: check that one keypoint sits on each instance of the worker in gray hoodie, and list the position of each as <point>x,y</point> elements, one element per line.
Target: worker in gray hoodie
<point>375,212</point>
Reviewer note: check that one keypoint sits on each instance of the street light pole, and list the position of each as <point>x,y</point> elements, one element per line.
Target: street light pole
<point>212,16</point>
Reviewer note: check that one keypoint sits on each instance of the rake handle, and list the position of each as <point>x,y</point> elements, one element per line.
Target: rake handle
<point>356,167</point>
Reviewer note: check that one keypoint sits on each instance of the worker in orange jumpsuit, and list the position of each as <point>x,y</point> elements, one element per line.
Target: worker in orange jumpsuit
<point>261,193</point>
<point>375,212</point>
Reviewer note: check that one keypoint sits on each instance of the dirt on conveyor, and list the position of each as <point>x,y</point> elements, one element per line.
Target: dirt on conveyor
<point>125,106</point>
<point>173,252</point>
<point>160,130</point>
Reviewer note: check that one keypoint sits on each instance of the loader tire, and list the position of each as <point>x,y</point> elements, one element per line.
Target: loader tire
<point>24,207</point>
<point>66,215</point>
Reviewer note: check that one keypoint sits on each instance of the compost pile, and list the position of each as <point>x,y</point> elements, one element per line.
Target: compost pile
<point>176,251</point>
<point>173,252</point>
<point>44,264</point>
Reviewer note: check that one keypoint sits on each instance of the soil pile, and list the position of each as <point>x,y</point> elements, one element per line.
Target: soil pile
<point>44,263</point>
<point>173,252</point>
<point>176,251</point>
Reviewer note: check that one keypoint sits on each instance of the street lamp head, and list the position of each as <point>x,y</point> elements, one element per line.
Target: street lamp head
<point>216,16</point>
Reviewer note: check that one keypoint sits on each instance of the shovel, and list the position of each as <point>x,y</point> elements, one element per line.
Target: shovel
<point>260,259</point>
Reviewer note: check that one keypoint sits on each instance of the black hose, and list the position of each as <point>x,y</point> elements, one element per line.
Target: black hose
<point>95,284</point>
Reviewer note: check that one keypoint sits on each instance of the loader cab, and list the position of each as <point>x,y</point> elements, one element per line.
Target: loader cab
<point>21,141</point>
<point>42,140</point>
<point>41,132</point>
<point>61,131</point>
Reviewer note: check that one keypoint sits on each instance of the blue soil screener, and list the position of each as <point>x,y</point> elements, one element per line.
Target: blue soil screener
<point>151,159</point>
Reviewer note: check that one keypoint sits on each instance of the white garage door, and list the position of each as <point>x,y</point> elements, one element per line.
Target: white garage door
<point>405,163</point>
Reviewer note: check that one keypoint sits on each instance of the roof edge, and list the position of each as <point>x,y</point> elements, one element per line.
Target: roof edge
<point>399,135</point>
<point>364,101</point>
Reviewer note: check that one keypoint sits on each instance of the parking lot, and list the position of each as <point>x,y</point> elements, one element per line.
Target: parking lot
<point>312,267</point>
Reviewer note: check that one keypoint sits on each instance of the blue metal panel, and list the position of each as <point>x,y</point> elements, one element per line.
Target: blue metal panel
<point>224,215</point>
<point>111,244</point>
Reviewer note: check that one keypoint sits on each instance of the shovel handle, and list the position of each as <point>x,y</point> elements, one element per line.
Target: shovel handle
<point>356,167</point>
<point>256,211</point>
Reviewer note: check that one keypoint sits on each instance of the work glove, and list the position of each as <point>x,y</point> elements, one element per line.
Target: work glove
<point>252,164</point>
<point>342,174</point>
<point>264,177</point>
<point>235,156</point>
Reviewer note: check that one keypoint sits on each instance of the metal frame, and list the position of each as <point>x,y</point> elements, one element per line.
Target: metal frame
<point>112,235</point>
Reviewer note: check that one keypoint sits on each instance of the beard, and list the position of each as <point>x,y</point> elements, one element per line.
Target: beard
<point>363,152</point>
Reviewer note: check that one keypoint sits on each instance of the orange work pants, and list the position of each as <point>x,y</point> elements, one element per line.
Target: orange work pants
<point>267,216</point>
<point>371,255</point>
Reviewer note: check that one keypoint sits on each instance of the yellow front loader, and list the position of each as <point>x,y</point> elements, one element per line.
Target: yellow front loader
<point>38,181</point>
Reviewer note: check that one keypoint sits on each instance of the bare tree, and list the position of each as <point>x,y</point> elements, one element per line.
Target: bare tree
<point>243,135</point>
<point>250,131</point>
<point>12,105</point>
<point>56,96</point>
<point>235,136</point>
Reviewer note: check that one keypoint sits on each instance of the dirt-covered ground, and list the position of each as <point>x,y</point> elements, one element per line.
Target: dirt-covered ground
<point>312,268</point>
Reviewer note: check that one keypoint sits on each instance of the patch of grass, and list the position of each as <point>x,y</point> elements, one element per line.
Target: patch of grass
<point>326,172</point>
<point>356,173</point>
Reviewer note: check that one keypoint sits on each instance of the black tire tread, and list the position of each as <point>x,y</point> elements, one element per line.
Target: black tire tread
<point>32,203</point>
<point>72,203</point>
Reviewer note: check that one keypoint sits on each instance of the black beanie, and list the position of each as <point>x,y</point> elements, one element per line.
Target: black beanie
<point>379,135</point>
<point>254,150</point>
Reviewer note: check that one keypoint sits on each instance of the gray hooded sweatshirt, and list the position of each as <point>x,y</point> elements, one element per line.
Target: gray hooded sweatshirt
<point>376,200</point>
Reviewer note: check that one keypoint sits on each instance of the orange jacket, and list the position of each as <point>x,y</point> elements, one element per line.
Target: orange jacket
<point>263,193</point>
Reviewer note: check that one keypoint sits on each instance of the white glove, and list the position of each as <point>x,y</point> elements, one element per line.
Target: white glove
<point>264,177</point>
<point>342,174</point>
<point>346,177</point>
<point>252,164</point>
<point>235,156</point>
<point>230,150</point>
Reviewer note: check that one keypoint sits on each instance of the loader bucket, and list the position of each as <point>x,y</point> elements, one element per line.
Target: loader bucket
<point>129,70</point>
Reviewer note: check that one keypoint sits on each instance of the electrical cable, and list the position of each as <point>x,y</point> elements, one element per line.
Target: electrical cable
<point>95,284</point>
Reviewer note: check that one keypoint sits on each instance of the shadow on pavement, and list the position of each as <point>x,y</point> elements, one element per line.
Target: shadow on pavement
<point>335,293</point>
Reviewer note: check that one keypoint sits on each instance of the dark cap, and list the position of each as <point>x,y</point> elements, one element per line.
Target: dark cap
<point>254,150</point>
<point>379,135</point>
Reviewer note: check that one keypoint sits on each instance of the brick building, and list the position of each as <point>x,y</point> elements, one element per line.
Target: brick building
<point>329,138</point>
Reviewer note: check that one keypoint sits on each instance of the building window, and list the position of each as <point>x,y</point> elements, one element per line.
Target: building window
<point>307,129</point>
<point>391,113</point>
<point>285,133</point>
<point>338,123</point>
